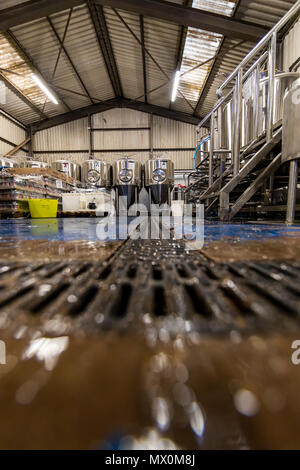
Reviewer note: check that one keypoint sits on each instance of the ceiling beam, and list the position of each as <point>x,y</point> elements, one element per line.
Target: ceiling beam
<point>188,16</point>
<point>159,111</point>
<point>142,31</point>
<point>17,147</point>
<point>111,104</point>
<point>61,43</point>
<point>102,33</point>
<point>179,14</point>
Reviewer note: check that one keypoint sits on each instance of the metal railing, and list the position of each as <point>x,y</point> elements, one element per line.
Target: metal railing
<point>268,54</point>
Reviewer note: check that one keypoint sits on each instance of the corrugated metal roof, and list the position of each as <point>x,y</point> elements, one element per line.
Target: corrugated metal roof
<point>265,12</point>
<point>11,3</point>
<point>81,44</point>
<point>20,74</point>
<point>83,48</point>
<point>199,47</point>
<point>127,52</point>
<point>162,41</point>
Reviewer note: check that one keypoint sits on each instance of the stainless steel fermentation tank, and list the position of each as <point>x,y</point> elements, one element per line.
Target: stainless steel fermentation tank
<point>7,163</point>
<point>252,128</point>
<point>68,168</point>
<point>159,179</point>
<point>291,144</point>
<point>35,164</point>
<point>254,113</point>
<point>96,173</point>
<point>127,180</point>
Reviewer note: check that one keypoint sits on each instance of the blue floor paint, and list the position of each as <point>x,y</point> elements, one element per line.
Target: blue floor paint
<point>86,229</point>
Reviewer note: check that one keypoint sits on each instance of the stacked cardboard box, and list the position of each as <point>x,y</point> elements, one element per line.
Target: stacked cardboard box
<point>20,184</point>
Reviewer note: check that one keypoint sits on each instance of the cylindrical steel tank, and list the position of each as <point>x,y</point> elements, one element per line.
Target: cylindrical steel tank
<point>7,163</point>
<point>36,164</point>
<point>127,179</point>
<point>282,82</point>
<point>291,123</point>
<point>70,169</point>
<point>222,137</point>
<point>96,173</point>
<point>159,179</point>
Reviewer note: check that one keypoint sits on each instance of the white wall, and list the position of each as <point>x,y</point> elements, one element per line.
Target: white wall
<point>11,132</point>
<point>167,134</point>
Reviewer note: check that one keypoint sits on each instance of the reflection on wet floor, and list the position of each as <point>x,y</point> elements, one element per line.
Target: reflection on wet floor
<point>15,249</point>
<point>70,229</point>
<point>126,392</point>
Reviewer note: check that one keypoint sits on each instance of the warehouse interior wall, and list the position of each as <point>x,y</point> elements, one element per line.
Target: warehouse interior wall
<point>117,133</point>
<point>11,135</point>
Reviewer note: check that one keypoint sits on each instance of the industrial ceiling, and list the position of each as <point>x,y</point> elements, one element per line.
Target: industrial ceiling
<point>96,55</point>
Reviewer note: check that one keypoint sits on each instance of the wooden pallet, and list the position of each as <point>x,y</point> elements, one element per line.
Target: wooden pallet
<point>14,215</point>
<point>77,214</point>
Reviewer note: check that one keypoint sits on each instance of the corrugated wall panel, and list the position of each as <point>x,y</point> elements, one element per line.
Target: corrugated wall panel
<point>291,46</point>
<point>5,148</point>
<point>182,160</point>
<point>70,136</point>
<point>167,134</point>
<point>172,134</point>
<point>113,156</point>
<point>119,140</point>
<point>72,157</point>
<point>121,118</point>
<point>12,133</point>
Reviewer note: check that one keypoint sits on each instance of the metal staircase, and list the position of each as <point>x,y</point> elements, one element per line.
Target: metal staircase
<point>242,171</point>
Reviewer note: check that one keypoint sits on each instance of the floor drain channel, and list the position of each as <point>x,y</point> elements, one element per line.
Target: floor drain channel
<point>159,278</point>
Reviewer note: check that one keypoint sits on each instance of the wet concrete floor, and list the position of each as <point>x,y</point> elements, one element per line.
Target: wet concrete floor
<point>159,389</point>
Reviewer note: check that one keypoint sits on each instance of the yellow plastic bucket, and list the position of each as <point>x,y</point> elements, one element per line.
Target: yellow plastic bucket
<point>43,208</point>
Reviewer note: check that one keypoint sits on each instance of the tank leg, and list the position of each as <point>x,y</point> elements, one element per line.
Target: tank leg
<point>117,201</point>
<point>150,199</point>
<point>292,193</point>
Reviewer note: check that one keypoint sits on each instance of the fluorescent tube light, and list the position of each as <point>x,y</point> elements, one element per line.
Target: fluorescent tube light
<point>175,85</point>
<point>43,87</point>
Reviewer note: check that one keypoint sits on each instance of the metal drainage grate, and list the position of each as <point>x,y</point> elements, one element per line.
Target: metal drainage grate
<point>159,280</point>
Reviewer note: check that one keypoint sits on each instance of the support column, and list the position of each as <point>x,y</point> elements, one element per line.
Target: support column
<point>238,121</point>
<point>151,134</point>
<point>29,135</point>
<point>91,137</point>
<point>211,151</point>
<point>271,90</point>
